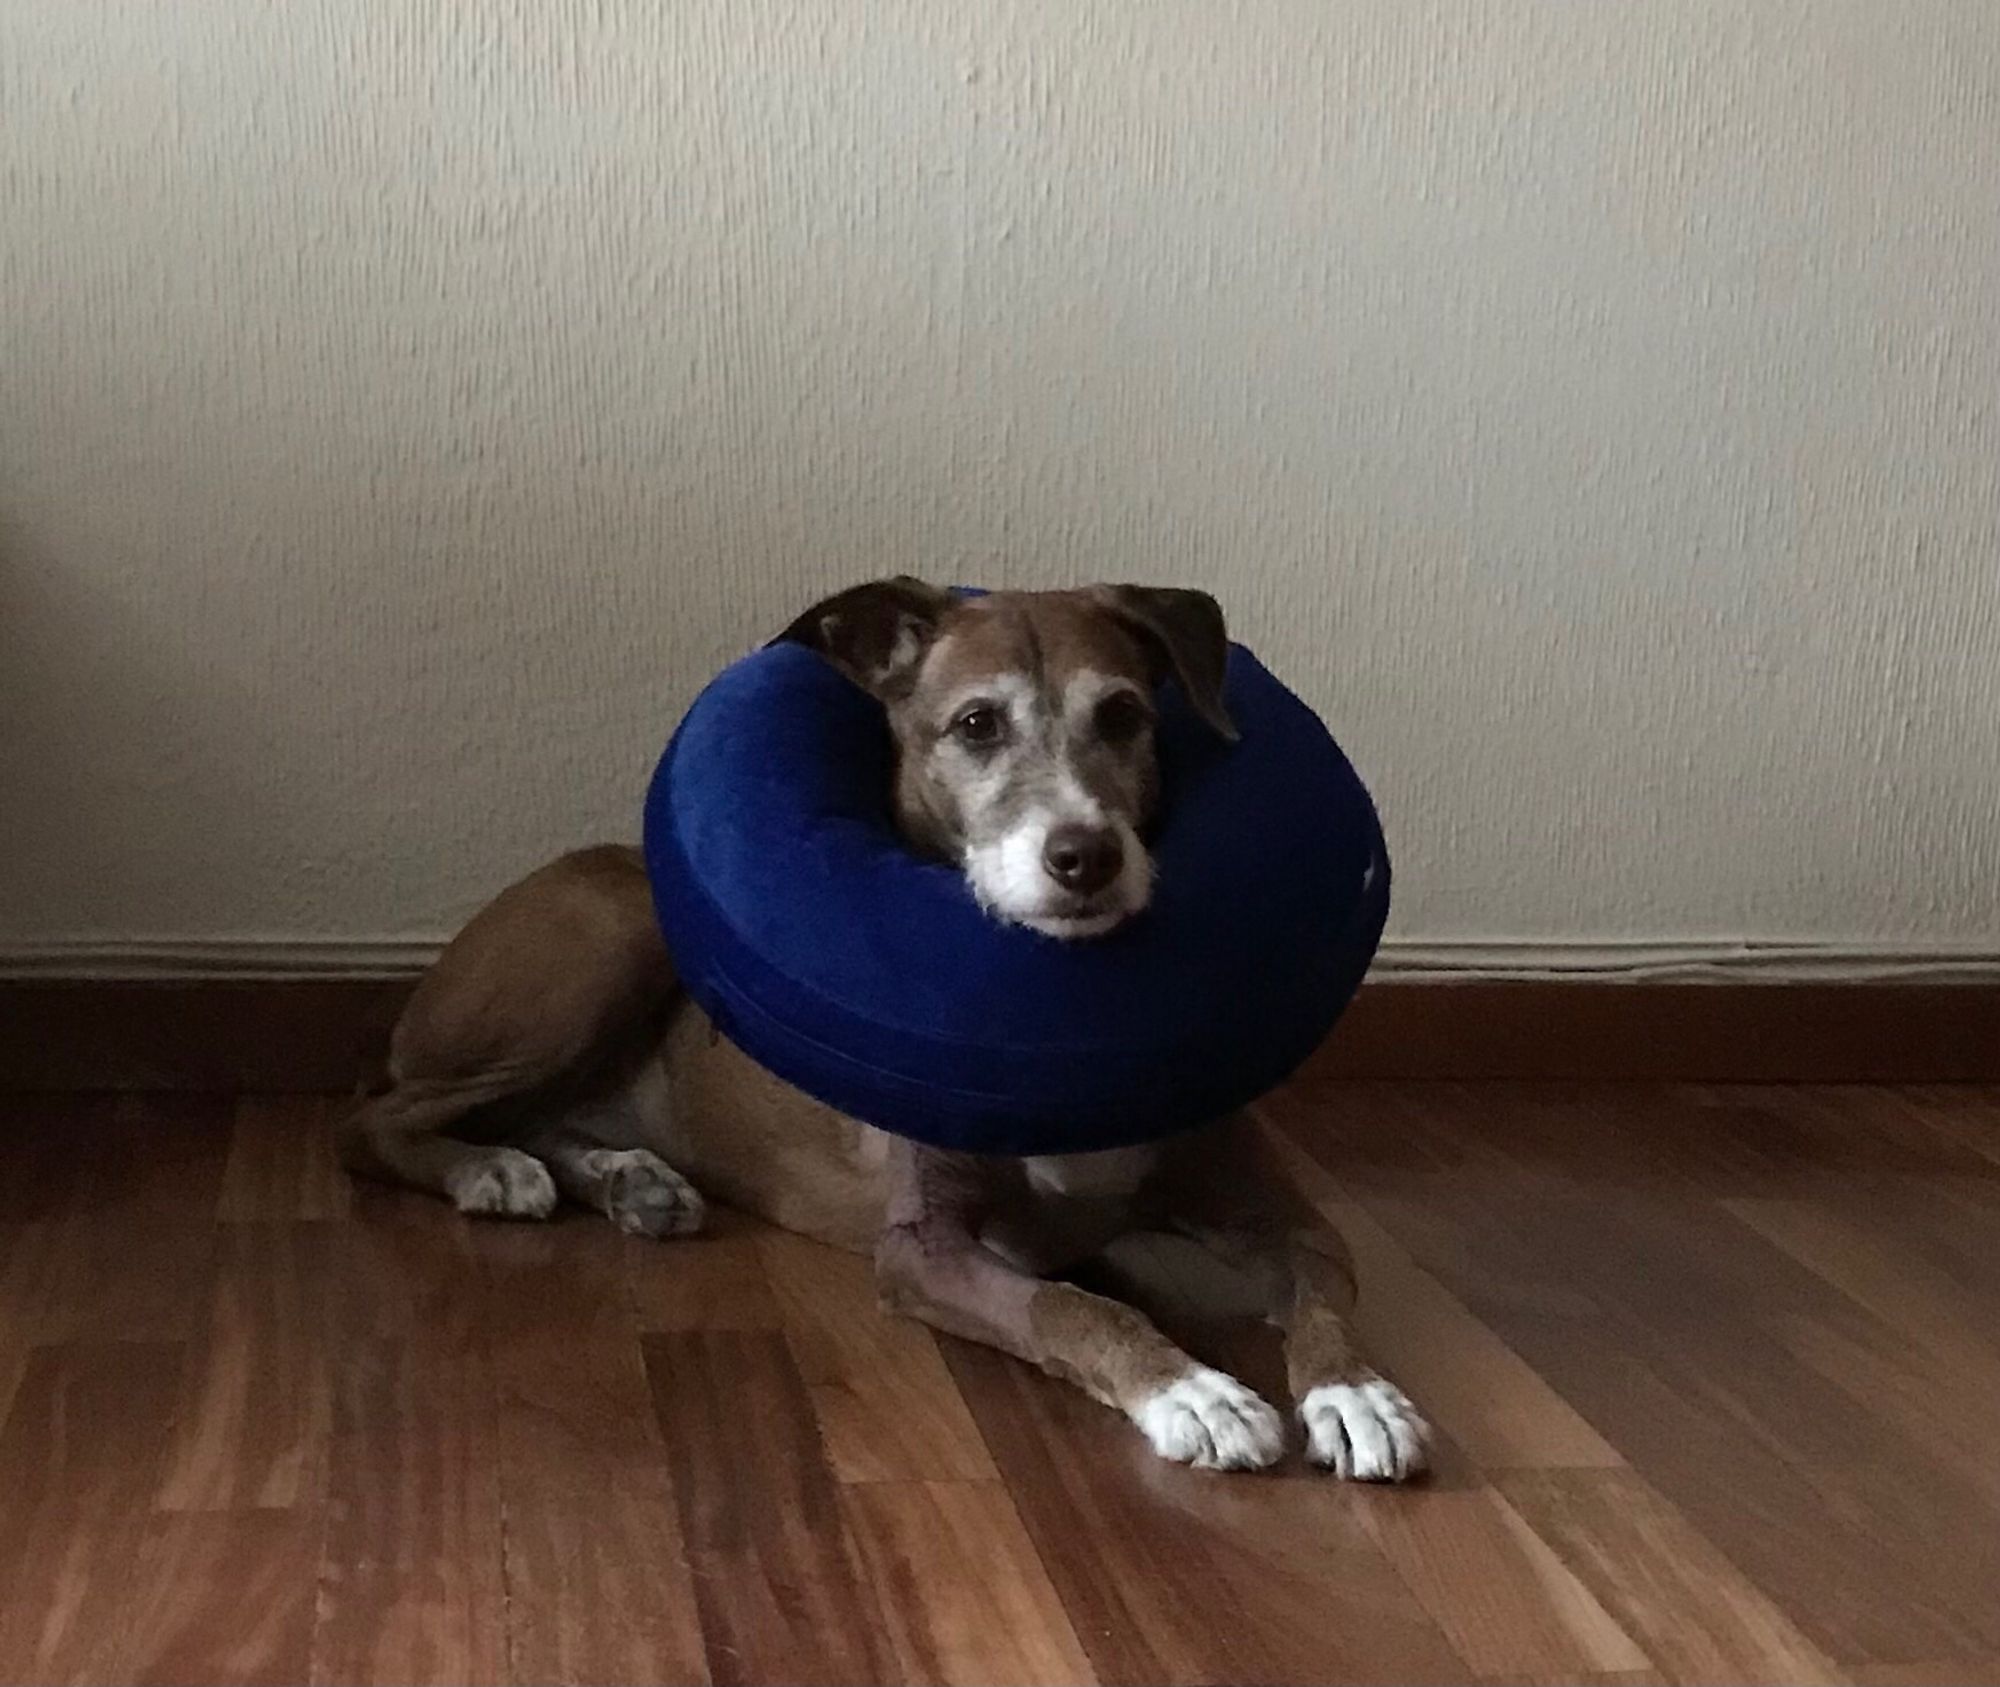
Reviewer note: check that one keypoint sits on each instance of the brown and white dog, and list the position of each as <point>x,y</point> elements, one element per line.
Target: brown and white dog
<point>548,1053</point>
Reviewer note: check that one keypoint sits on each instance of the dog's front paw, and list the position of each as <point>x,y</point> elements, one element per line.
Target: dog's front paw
<point>1211,1420</point>
<point>1365,1431</point>
<point>645,1196</point>
<point>501,1183</point>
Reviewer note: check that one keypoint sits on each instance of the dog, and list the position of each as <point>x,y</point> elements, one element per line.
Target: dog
<point>548,1054</point>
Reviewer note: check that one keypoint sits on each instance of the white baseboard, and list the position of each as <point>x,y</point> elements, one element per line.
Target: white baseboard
<point>203,958</point>
<point>1429,961</point>
<point>1684,961</point>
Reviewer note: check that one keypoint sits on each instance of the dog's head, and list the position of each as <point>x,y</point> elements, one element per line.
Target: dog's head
<point>1023,724</point>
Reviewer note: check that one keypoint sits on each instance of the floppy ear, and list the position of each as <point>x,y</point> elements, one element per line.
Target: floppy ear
<point>1184,634</point>
<point>874,634</point>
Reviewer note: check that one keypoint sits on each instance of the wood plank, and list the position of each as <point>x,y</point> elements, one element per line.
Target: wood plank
<point>142,1278</point>
<point>713,1281</point>
<point>1818,1492</point>
<point>1962,1113</point>
<point>598,1582</point>
<point>40,1166</point>
<point>961,1587</point>
<point>31,1262</point>
<point>227,1598</point>
<point>410,1572</point>
<point>1941,1409</point>
<point>411,1582</point>
<point>1934,1546</point>
<point>1837,1131</point>
<point>780,1586</point>
<point>256,1408</point>
<point>1588,1132</point>
<point>134,1241</point>
<point>1504,1600</point>
<point>79,1457</point>
<point>1633,1302</point>
<point>1687,1605</point>
<point>1657,1273</point>
<point>1621,1178</point>
<point>1779,1307</point>
<point>1854,1254</point>
<point>154,1155</point>
<point>1953,1223</point>
<point>1913,1384</point>
<point>886,1405</point>
<point>1469,1228</point>
<point>282,1161</point>
<point>1844,1551</point>
<point>1470,1383</point>
<point>1176,1575</point>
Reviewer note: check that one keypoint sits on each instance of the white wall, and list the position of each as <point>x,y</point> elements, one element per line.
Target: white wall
<point>1591,407</point>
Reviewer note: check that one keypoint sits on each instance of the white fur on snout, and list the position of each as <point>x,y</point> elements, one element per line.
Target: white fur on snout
<point>1012,882</point>
<point>1008,873</point>
<point>1008,876</point>
<point>1208,1419</point>
<point>1365,1431</point>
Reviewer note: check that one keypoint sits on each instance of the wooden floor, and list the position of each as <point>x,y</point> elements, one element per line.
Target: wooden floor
<point>1718,1374</point>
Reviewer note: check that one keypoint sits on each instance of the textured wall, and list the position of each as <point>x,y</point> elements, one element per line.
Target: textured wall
<point>1590,407</point>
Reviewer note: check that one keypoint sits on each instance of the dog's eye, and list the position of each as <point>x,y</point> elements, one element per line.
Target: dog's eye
<point>979,726</point>
<point>1121,717</point>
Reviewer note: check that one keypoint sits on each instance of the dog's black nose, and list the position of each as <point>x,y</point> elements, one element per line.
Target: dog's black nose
<point>1083,858</point>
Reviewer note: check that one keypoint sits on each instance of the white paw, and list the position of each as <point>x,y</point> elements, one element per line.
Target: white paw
<point>501,1183</point>
<point>1211,1420</point>
<point>1365,1431</point>
<point>646,1196</point>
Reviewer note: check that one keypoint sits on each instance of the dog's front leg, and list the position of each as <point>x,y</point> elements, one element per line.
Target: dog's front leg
<point>931,1265</point>
<point>1219,1190</point>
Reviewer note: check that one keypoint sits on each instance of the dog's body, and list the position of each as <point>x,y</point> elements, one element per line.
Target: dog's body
<point>548,1053</point>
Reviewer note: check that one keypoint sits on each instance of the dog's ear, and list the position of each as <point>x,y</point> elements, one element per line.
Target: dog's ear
<point>1184,635</point>
<point>874,634</point>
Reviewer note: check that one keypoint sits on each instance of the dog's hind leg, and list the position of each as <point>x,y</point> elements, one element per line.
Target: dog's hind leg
<point>558,978</point>
<point>633,1187</point>
<point>399,1137</point>
<point>590,1151</point>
